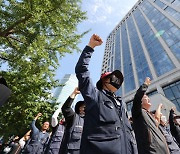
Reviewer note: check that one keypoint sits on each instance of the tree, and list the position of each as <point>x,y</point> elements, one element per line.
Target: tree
<point>33,34</point>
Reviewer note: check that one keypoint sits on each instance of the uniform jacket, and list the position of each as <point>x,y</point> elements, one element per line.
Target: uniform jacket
<point>38,142</point>
<point>106,127</point>
<point>171,141</point>
<point>56,139</point>
<point>73,131</point>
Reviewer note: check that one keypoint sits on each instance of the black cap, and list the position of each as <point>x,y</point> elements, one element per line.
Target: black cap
<point>117,73</point>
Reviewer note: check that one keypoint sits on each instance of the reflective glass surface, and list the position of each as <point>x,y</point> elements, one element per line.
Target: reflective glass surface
<point>176,3</point>
<point>129,83</point>
<point>117,64</point>
<point>142,67</point>
<point>173,13</point>
<point>166,29</point>
<point>158,56</point>
<point>160,4</point>
<point>172,92</point>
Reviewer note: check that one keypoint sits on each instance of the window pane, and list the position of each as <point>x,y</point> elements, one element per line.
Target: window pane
<point>169,94</point>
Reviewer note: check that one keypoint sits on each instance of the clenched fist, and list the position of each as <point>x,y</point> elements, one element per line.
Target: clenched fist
<point>95,40</point>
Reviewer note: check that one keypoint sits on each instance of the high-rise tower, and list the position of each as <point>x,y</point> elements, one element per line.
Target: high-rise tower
<point>146,42</point>
<point>69,82</point>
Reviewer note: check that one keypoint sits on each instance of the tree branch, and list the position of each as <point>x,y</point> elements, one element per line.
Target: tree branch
<point>15,39</point>
<point>10,30</point>
<point>4,58</point>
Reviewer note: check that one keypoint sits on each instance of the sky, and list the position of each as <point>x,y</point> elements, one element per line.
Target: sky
<point>103,17</point>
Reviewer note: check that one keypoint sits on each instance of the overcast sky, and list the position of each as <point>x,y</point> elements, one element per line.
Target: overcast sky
<point>103,16</point>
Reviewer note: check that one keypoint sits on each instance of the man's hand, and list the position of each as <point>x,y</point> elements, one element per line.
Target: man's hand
<point>173,109</point>
<point>38,115</point>
<point>147,81</point>
<point>158,113</point>
<point>95,40</point>
<point>75,92</point>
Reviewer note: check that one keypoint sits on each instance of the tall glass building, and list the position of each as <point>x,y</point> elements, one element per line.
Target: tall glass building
<point>69,82</point>
<point>146,43</point>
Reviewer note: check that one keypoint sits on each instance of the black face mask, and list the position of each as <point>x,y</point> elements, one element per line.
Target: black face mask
<point>115,82</point>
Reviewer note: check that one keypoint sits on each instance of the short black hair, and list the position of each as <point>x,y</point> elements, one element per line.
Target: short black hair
<point>78,105</point>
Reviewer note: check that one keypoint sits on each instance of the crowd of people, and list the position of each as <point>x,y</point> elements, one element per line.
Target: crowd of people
<point>100,124</point>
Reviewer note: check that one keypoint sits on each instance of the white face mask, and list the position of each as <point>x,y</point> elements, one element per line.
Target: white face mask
<point>164,119</point>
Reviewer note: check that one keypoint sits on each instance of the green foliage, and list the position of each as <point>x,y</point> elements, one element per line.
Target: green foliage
<point>33,34</point>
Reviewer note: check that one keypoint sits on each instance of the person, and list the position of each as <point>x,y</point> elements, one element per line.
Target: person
<point>74,125</point>
<point>174,125</point>
<point>5,92</point>
<point>171,141</point>
<point>39,138</point>
<point>150,139</point>
<point>57,133</point>
<point>24,139</point>
<point>15,147</point>
<point>12,146</point>
<point>106,127</point>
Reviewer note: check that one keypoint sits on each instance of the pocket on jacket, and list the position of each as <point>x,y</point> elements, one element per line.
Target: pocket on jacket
<point>77,133</point>
<point>107,112</point>
<point>102,138</point>
<point>106,145</point>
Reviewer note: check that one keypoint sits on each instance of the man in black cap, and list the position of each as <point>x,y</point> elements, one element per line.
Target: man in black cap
<point>106,126</point>
<point>74,125</point>
<point>5,92</point>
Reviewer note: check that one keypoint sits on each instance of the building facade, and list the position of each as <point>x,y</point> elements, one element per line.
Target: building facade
<point>146,43</point>
<point>69,82</point>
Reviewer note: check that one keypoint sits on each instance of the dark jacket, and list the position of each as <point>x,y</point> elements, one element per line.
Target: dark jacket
<point>73,132</point>
<point>171,141</point>
<point>56,139</point>
<point>175,129</point>
<point>150,139</point>
<point>38,141</point>
<point>5,93</point>
<point>106,127</point>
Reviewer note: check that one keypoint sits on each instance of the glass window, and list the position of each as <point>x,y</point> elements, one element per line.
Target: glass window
<point>172,92</point>
<point>112,68</point>
<point>129,83</point>
<point>175,102</point>
<point>169,1</point>
<point>176,3</point>
<point>159,57</point>
<point>138,54</point>
<point>117,63</point>
<point>112,49</point>
<point>176,91</point>
<point>169,94</point>
<point>160,4</point>
<point>175,49</point>
<point>173,13</point>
